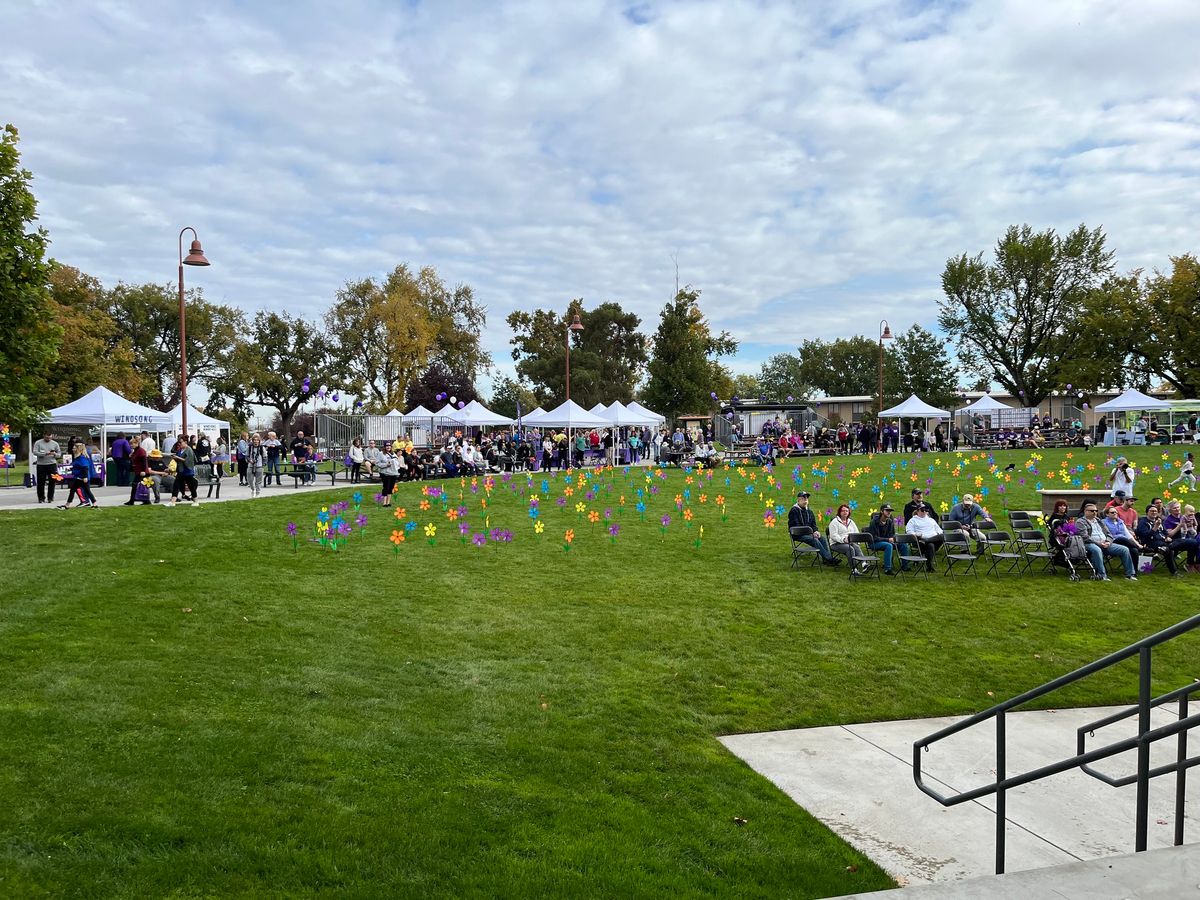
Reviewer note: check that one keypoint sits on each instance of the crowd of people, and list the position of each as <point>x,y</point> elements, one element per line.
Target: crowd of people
<point>1086,537</point>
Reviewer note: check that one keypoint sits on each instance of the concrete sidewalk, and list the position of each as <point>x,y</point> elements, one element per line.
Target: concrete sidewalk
<point>26,498</point>
<point>857,779</point>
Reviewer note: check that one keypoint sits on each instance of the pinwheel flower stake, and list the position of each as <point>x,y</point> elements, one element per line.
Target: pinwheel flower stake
<point>721,503</point>
<point>538,527</point>
<point>292,531</point>
<point>361,521</point>
<point>431,533</point>
<point>567,539</point>
<point>641,510</point>
<point>613,530</point>
<point>357,498</point>
<point>699,537</point>
<point>397,539</point>
<point>663,524</point>
<point>593,518</point>
<point>580,509</point>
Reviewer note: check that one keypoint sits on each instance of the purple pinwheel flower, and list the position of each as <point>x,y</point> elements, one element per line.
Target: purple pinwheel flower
<point>360,520</point>
<point>654,489</point>
<point>608,513</point>
<point>479,539</point>
<point>506,536</point>
<point>614,529</point>
<point>494,534</point>
<point>291,529</point>
<point>462,511</point>
<point>561,501</point>
<point>463,528</point>
<point>590,495</point>
<point>665,520</point>
<point>379,498</point>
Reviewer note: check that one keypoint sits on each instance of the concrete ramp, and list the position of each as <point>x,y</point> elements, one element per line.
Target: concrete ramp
<point>857,779</point>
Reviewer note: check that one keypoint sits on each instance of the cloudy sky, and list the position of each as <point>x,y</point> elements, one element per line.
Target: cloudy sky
<point>810,166</point>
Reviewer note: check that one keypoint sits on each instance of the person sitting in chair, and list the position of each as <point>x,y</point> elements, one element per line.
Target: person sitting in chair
<point>800,516</point>
<point>928,530</point>
<point>918,499</point>
<point>967,513</point>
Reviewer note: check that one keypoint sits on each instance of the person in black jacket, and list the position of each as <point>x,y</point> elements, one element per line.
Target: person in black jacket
<point>883,533</point>
<point>800,516</point>
<point>918,499</point>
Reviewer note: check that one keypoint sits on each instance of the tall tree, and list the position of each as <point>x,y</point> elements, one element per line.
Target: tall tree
<point>270,367</point>
<point>918,363</point>
<point>607,356</point>
<point>388,332</point>
<point>28,337</point>
<point>747,386</point>
<point>438,378</point>
<point>1020,315</point>
<point>1141,331</point>
<point>148,314</point>
<point>844,367</point>
<point>684,368</point>
<point>782,376</point>
<point>93,349</point>
<point>507,393</point>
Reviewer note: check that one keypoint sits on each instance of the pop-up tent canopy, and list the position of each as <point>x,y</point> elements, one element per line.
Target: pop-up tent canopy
<point>532,417</point>
<point>476,414</point>
<point>598,409</point>
<point>985,404</point>
<point>622,416</point>
<point>110,411</point>
<point>634,406</point>
<point>915,408</point>
<point>449,412</point>
<point>1132,401</point>
<point>196,420</point>
<point>395,413</point>
<point>571,415</point>
<point>417,412</point>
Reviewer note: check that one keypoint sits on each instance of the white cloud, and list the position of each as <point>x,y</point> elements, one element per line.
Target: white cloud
<point>811,166</point>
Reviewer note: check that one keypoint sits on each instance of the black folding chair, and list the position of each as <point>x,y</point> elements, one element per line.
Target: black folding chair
<point>869,563</point>
<point>1033,547</point>
<point>800,549</point>
<point>957,551</point>
<point>908,556</point>
<point>1002,552</point>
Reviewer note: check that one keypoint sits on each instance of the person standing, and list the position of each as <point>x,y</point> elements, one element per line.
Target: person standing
<point>300,451</point>
<point>388,473</point>
<point>256,462</point>
<point>1122,477</point>
<point>121,451</point>
<point>46,454</point>
<point>148,443</point>
<point>1187,471</point>
<point>243,458</point>
<point>274,448</point>
<point>357,458</point>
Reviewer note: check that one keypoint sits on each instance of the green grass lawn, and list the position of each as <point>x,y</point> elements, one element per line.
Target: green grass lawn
<point>191,707</point>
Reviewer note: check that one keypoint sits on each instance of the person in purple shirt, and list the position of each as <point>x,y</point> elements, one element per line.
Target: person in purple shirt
<point>1180,528</point>
<point>122,456</point>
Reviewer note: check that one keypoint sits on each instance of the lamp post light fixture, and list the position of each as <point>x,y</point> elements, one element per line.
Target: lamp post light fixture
<point>575,325</point>
<point>885,334</point>
<point>195,257</point>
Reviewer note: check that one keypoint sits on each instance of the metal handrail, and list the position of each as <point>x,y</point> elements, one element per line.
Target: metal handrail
<point>1141,742</point>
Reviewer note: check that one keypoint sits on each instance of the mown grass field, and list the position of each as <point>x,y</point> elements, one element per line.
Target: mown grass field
<point>189,706</point>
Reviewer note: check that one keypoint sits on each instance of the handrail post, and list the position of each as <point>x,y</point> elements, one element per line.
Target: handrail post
<point>1001,774</point>
<point>1181,774</point>
<point>1143,754</point>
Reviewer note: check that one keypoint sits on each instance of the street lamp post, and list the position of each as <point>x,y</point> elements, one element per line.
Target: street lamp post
<point>195,257</point>
<point>885,334</point>
<point>575,325</point>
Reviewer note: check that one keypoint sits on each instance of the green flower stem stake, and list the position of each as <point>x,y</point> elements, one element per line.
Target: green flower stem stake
<point>291,530</point>
<point>699,537</point>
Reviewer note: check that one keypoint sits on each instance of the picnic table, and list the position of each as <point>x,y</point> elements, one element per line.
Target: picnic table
<point>301,472</point>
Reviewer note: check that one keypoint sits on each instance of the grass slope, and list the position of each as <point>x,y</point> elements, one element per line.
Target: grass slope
<point>190,707</point>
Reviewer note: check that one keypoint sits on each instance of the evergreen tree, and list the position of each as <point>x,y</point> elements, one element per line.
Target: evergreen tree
<point>683,370</point>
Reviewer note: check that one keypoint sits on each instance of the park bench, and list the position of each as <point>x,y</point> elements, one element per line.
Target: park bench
<point>299,472</point>
<point>206,476</point>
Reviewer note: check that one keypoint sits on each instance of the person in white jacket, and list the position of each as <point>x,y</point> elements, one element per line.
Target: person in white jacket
<point>840,528</point>
<point>930,532</point>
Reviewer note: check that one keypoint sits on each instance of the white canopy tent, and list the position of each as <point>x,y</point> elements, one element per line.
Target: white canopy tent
<point>598,409</point>
<point>915,408</point>
<point>197,421</point>
<point>634,406</point>
<point>449,412</point>
<point>393,413</point>
<point>476,414</point>
<point>417,412</point>
<point>532,417</point>
<point>571,415</point>
<point>1130,401</point>
<point>985,404</point>
<point>622,416</point>
<point>110,411</point>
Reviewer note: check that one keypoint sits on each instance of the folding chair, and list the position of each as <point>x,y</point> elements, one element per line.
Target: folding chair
<point>1033,546</point>
<point>1000,550</point>
<point>801,549</point>
<point>957,550</point>
<point>908,553</point>
<point>869,563</point>
<point>1019,521</point>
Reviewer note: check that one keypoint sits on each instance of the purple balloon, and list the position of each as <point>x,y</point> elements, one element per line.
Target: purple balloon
<point>335,397</point>
<point>1085,406</point>
<point>461,404</point>
<point>713,395</point>
<point>1068,387</point>
<point>729,416</point>
<point>789,398</point>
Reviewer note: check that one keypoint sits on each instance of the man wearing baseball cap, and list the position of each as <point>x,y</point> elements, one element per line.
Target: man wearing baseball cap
<point>800,516</point>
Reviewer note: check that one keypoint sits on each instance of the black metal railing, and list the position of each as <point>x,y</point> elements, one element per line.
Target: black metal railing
<point>1083,759</point>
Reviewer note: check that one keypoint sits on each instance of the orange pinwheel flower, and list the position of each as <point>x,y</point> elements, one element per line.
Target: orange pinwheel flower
<point>569,536</point>
<point>452,514</point>
<point>593,517</point>
<point>400,512</point>
<point>687,514</point>
<point>424,505</point>
<point>704,498</point>
<point>720,501</point>
<point>397,537</point>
